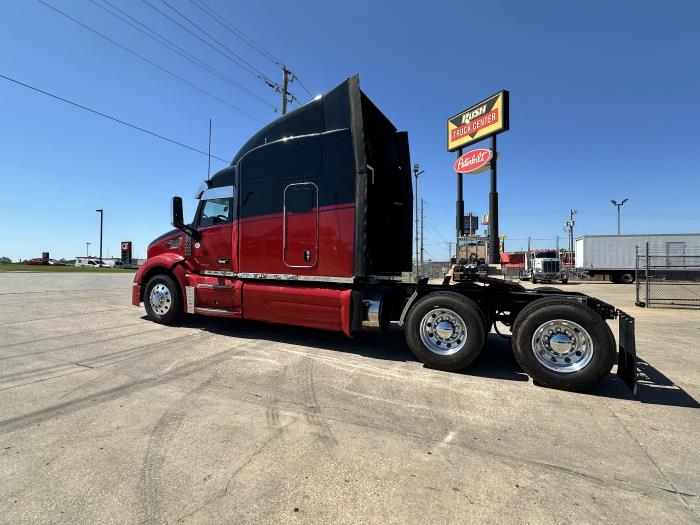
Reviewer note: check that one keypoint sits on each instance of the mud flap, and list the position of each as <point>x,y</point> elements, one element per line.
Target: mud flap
<point>627,354</point>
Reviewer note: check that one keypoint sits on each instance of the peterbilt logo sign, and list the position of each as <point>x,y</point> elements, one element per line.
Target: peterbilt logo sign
<point>482,120</point>
<point>474,161</point>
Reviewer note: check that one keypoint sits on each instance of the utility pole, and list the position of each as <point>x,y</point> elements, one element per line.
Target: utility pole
<point>285,84</point>
<point>101,212</point>
<point>87,249</point>
<point>449,252</point>
<point>618,205</point>
<point>570,226</point>
<point>416,172</point>
<point>422,218</point>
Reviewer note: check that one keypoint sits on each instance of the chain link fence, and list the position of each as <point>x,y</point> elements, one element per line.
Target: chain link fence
<point>667,276</point>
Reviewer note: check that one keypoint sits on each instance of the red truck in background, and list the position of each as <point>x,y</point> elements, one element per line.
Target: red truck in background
<point>311,225</point>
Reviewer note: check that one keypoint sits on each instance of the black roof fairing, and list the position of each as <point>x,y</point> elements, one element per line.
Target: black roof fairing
<point>328,112</point>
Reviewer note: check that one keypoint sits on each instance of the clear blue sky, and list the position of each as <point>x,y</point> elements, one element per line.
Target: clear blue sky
<point>604,104</point>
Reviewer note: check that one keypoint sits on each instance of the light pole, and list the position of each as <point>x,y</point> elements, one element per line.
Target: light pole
<point>87,249</point>
<point>416,172</point>
<point>101,212</point>
<point>618,205</point>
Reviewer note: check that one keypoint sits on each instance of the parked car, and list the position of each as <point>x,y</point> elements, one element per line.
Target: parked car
<point>41,260</point>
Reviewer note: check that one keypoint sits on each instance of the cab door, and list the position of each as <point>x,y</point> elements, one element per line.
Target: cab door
<point>212,252</point>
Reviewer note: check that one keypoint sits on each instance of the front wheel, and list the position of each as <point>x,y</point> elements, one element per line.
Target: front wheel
<point>162,300</point>
<point>445,331</point>
<point>563,345</point>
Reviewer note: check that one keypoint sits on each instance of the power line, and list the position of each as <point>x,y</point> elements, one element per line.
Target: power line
<point>248,66</point>
<point>303,86</point>
<point>233,59</point>
<point>157,66</point>
<point>159,38</point>
<point>115,119</point>
<point>249,41</point>
<point>237,32</point>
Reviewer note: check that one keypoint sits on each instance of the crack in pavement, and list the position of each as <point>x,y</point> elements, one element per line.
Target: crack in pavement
<point>651,459</point>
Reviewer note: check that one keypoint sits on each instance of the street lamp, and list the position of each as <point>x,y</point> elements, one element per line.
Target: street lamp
<point>87,249</point>
<point>101,212</point>
<point>416,172</point>
<point>618,205</point>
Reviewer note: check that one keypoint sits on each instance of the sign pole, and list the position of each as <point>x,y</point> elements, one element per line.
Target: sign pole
<point>493,209</point>
<point>460,210</point>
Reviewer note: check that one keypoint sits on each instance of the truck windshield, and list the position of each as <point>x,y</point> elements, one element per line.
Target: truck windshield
<point>546,255</point>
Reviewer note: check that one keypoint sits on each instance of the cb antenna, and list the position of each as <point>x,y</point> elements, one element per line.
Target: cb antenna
<point>209,154</point>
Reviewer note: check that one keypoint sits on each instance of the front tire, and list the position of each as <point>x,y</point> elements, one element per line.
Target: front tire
<point>445,331</point>
<point>162,300</point>
<point>564,345</point>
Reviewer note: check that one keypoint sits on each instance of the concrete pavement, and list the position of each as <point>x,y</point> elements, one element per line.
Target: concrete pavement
<point>106,417</point>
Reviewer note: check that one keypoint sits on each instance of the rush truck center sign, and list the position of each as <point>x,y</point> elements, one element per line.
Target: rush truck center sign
<point>482,120</point>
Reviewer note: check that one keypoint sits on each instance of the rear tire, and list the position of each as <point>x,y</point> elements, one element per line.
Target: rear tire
<point>564,345</point>
<point>162,300</point>
<point>445,331</point>
<point>627,278</point>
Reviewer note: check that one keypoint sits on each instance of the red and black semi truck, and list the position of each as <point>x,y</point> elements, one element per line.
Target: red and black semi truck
<point>311,225</point>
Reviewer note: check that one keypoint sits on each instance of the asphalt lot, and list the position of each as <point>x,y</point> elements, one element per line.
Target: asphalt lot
<point>106,417</point>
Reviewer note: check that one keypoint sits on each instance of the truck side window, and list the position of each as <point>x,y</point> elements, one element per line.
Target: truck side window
<point>214,212</point>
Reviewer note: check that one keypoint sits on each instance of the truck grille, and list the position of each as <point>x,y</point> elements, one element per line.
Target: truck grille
<point>550,266</point>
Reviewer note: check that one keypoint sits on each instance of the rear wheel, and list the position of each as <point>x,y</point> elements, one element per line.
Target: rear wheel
<point>162,300</point>
<point>445,331</point>
<point>627,278</point>
<point>563,345</point>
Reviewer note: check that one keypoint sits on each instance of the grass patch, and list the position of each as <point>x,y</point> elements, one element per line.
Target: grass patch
<point>18,267</point>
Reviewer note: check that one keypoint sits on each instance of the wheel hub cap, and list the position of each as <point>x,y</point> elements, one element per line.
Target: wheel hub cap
<point>443,331</point>
<point>562,346</point>
<point>160,299</point>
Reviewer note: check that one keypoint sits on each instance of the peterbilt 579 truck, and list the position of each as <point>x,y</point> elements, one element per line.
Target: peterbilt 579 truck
<point>311,225</point>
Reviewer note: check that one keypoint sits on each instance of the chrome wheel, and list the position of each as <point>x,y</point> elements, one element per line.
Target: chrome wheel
<point>562,346</point>
<point>443,332</point>
<point>160,299</point>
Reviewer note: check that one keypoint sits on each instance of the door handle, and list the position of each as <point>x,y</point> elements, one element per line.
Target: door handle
<point>224,260</point>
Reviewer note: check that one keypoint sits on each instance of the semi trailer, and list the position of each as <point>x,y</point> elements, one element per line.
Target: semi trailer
<point>311,225</point>
<point>613,257</point>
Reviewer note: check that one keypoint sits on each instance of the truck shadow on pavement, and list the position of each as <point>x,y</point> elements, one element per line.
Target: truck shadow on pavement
<point>653,388</point>
<point>495,362</point>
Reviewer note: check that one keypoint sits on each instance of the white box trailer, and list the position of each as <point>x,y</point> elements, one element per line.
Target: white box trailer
<point>612,257</point>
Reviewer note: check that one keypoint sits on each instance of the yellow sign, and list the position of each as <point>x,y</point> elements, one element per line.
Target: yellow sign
<point>482,120</point>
